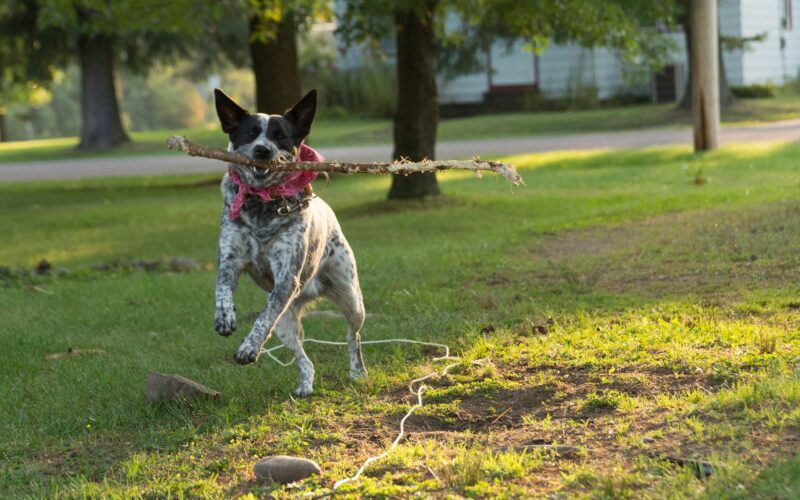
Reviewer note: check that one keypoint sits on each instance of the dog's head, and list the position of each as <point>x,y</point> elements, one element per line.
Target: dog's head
<point>265,137</point>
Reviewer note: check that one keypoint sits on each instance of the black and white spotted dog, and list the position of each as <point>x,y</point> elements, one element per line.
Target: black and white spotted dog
<point>297,254</point>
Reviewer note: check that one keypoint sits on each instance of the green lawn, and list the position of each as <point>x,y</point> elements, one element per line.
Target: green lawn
<point>627,312</point>
<point>330,133</point>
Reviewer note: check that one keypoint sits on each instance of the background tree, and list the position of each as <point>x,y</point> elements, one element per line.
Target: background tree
<point>98,33</point>
<point>29,57</point>
<point>619,24</point>
<point>274,29</point>
<point>726,43</point>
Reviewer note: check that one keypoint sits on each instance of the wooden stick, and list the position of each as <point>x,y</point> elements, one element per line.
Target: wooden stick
<point>399,167</point>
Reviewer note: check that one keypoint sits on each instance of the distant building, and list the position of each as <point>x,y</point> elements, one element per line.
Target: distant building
<point>568,70</point>
<point>563,70</point>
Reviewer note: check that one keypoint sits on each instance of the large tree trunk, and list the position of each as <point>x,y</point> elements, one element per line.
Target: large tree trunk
<point>417,109</point>
<point>275,67</point>
<point>726,97</point>
<point>705,67</point>
<point>101,127</point>
<point>3,135</point>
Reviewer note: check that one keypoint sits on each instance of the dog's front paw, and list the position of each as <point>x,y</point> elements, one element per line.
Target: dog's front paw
<point>225,321</point>
<point>303,391</point>
<point>247,353</point>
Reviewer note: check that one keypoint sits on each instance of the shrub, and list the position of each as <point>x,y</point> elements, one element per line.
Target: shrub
<point>754,91</point>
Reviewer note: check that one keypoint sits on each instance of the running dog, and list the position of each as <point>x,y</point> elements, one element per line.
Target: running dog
<point>287,239</point>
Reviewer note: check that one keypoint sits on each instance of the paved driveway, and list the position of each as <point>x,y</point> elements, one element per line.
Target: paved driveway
<point>176,164</point>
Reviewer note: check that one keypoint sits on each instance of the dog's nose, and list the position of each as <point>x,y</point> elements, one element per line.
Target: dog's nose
<point>262,153</point>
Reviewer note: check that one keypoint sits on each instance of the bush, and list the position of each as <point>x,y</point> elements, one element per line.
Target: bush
<point>754,91</point>
<point>368,91</point>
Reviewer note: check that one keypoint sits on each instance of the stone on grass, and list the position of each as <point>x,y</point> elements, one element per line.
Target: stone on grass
<point>162,387</point>
<point>284,469</point>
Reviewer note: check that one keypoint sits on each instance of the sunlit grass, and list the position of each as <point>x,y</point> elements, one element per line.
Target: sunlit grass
<point>616,300</point>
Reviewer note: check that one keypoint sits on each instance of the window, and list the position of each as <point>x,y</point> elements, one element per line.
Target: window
<point>786,15</point>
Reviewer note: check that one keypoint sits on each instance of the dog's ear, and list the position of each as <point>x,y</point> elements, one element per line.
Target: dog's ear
<point>302,115</point>
<point>230,114</point>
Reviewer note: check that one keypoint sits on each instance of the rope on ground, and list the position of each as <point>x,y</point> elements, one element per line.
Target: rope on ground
<point>418,392</point>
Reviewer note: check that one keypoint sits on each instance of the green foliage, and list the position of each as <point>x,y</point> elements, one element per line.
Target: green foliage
<point>754,91</point>
<point>28,56</point>
<point>268,14</point>
<point>624,25</point>
<point>368,91</point>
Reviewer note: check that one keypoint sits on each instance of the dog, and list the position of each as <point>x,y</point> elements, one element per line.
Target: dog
<point>292,245</point>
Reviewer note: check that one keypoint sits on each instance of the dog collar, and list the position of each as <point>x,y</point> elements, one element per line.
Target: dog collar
<point>294,183</point>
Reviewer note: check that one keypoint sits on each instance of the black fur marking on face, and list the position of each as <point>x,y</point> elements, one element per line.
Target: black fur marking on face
<point>301,116</point>
<point>230,114</point>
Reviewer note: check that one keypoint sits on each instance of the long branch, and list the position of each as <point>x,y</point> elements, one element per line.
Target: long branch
<point>399,167</point>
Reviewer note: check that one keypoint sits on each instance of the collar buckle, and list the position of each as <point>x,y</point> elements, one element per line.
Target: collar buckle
<point>287,209</point>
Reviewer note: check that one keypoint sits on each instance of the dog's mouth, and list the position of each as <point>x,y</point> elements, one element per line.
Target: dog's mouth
<point>259,173</point>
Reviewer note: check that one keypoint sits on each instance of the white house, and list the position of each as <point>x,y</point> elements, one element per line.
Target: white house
<point>562,70</point>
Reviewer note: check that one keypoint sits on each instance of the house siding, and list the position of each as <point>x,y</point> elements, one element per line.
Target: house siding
<point>764,62</point>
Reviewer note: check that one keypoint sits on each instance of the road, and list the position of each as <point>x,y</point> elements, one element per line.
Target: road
<point>788,130</point>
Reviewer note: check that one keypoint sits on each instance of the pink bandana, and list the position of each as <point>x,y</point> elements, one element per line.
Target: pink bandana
<point>293,184</point>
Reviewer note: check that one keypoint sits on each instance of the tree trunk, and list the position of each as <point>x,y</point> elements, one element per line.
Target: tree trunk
<point>101,126</point>
<point>275,67</point>
<point>705,67</point>
<point>417,112</point>
<point>726,97</point>
<point>3,136</point>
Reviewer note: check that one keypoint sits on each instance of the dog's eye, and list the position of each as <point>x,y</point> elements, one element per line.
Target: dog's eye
<point>254,132</point>
<point>279,134</point>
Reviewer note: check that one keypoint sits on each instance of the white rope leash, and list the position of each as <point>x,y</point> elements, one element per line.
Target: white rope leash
<point>418,392</point>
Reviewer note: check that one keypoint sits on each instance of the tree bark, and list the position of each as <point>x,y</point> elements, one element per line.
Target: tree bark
<point>101,126</point>
<point>705,68</point>
<point>417,112</point>
<point>275,66</point>
<point>726,97</point>
<point>3,135</point>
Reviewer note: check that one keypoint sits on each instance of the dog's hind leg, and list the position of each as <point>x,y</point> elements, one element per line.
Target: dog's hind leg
<point>345,292</point>
<point>290,332</point>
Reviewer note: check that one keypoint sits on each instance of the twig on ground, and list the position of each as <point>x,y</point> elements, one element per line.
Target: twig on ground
<point>399,167</point>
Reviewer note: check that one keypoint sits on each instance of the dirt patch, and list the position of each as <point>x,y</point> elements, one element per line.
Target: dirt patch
<point>483,412</point>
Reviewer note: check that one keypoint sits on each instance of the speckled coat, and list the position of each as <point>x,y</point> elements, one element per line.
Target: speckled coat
<point>296,258</point>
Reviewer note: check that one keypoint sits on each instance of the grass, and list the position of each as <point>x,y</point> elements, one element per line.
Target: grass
<point>328,133</point>
<point>629,316</point>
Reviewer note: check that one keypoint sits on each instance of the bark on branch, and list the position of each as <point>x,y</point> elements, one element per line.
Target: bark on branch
<point>398,167</point>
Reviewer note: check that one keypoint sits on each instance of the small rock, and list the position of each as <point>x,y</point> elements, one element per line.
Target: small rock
<point>284,469</point>
<point>43,267</point>
<point>648,439</point>
<point>162,387</point>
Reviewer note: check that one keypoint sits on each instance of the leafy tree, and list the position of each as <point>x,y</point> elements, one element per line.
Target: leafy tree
<point>27,65</point>
<point>98,33</point>
<point>274,29</point>
<point>417,24</point>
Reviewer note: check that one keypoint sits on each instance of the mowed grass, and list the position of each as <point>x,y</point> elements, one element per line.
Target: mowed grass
<point>354,131</point>
<point>636,308</point>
